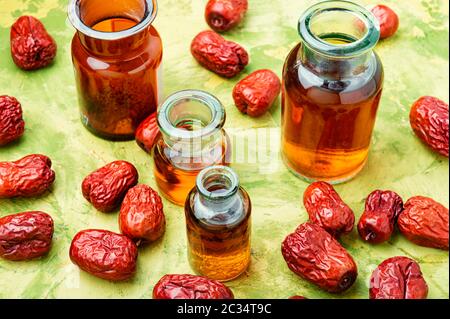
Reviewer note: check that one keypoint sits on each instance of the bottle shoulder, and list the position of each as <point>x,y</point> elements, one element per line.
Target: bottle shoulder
<point>219,216</point>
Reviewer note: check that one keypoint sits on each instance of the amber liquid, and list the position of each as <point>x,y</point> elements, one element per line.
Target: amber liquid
<point>117,80</point>
<point>217,249</point>
<point>327,124</point>
<point>175,176</point>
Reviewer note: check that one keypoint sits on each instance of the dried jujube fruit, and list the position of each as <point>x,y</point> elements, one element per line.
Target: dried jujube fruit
<point>141,214</point>
<point>147,133</point>
<point>398,278</point>
<point>326,208</point>
<point>29,176</point>
<point>223,57</point>
<point>31,45</point>
<point>429,119</point>
<point>312,253</point>
<point>25,235</point>
<point>223,15</point>
<point>377,223</point>
<point>12,125</point>
<point>387,19</point>
<point>425,222</point>
<point>190,287</point>
<point>106,187</point>
<point>104,254</point>
<point>256,93</point>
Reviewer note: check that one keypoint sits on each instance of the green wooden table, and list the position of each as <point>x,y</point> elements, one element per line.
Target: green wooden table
<point>416,63</point>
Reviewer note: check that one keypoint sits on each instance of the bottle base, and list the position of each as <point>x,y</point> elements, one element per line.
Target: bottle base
<point>106,136</point>
<point>334,180</point>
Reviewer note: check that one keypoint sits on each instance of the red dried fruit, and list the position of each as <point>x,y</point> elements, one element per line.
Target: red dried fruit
<point>223,57</point>
<point>29,176</point>
<point>25,235</point>
<point>398,278</point>
<point>12,125</point>
<point>31,46</point>
<point>106,187</point>
<point>429,119</point>
<point>190,287</point>
<point>315,255</point>
<point>387,19</point>
<point>104,254</point>
<point>297,297</point>
<point>376,224</point>
<point>256,93</point>
<point>141,214</point>
<point>147,133</point>
<point>223,15</point>
<point>425,222</point>
<point>327,209</point>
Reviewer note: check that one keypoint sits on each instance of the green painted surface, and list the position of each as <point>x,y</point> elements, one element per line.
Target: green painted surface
<point>416,63</point>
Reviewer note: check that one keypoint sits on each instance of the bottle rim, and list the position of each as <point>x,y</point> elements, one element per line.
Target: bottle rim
<point>217,172</point>
<point>361,45</point>
<point>73,12</point>
<point>173,132</point>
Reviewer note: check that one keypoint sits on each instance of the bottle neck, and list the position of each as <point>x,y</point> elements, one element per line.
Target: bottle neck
<point>114,47</point>
<point>335,67</point>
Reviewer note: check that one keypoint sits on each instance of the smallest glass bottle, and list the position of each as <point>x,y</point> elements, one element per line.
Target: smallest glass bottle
<point>218,224</point>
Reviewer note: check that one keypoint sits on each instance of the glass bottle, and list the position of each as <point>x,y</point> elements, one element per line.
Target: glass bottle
<point>116,55</point>
<point>218,224</point>
<point>192,138</point>
<point>332,84</point>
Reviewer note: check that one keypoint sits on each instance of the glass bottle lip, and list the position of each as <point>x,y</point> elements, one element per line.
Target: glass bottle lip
<point>365,43</point>
<point>218,171</point>
<point>174,133</point>
<point>74,18</point>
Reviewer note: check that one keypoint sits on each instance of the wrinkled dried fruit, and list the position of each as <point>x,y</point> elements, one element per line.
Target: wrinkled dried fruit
<point>104,254</point>
<point>31,46</point>
<point>190,287</point>
<point>141,214</point>
<point>425,222</point>
<point>256,93</point>
<point>25,235</point>
<point>29,176</point>
<point>223,15</point>
<point>223,57</point>
<point>315,255</point>
<point>429,119</point>
<point>327,209</point>
<point>106,187</point>
<point>12,125</point>
<point>297,297</point>
<point>376,224</point>
<point>147,133</point>
<point>387,19</point>
<point>398,278</point>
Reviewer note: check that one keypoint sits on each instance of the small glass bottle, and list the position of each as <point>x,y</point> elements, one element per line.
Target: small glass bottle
<point>332,85</point>
<point>218,224</point>
<point>192,138</point>
<point>116,55</point>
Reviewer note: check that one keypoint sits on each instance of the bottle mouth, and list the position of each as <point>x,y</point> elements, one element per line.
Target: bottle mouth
<point>339,28</point>
<point>83,14</point>
<point>217,182</point>
<point>190,115</point>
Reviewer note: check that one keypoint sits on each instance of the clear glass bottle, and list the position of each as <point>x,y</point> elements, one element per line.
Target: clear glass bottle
<point>218,224</point>
<point>332,85</point>
<point>192,138</point>
<point>116,55</point>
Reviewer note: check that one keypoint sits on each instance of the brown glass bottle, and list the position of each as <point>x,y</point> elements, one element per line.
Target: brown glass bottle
<point>218,224</point>
<point>116,55</point>
<point>192,138</point>
<point>332,85</point>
